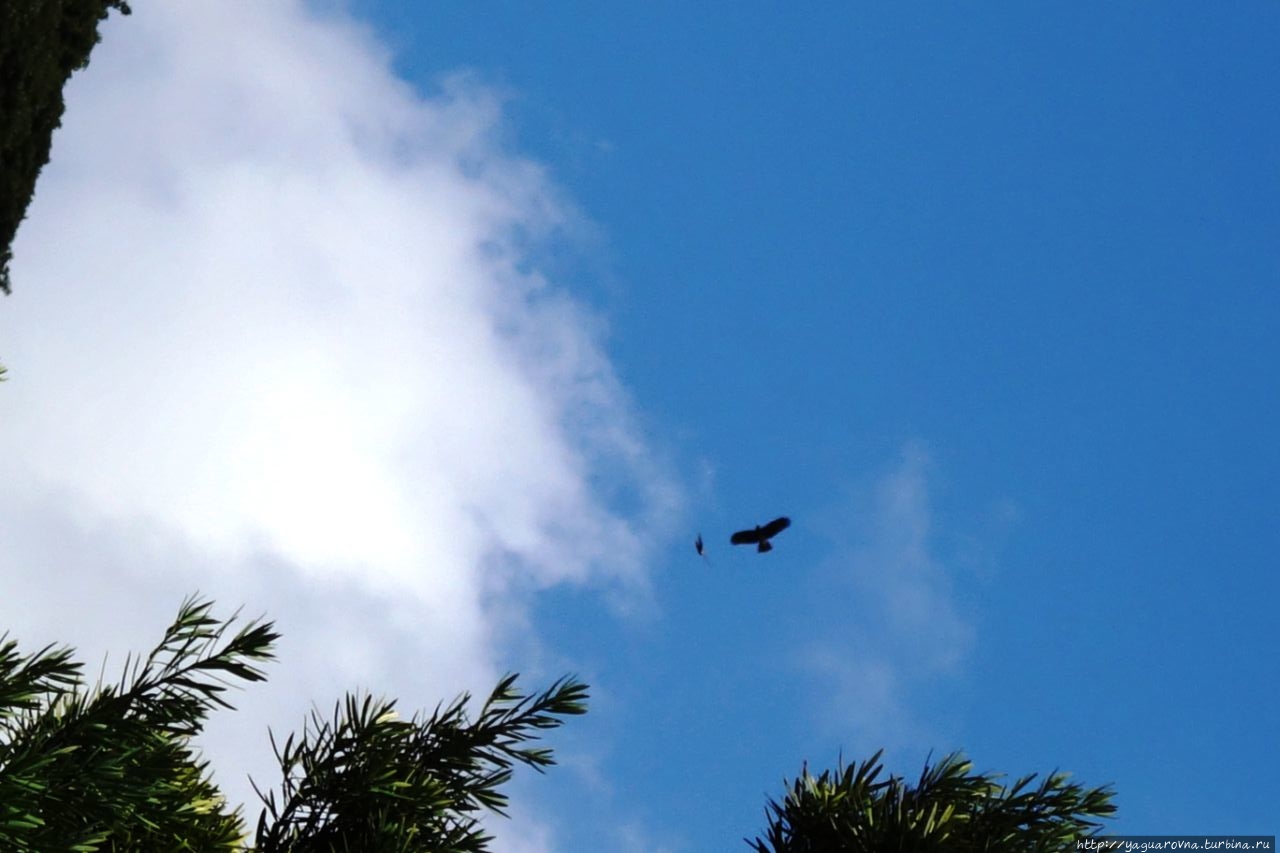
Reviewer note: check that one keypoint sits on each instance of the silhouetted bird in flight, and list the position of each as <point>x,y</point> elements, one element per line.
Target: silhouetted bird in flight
<point>697,545</point>
<point>761,535</point>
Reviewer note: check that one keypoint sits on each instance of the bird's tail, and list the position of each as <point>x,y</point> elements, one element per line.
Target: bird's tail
<point>764,546</point>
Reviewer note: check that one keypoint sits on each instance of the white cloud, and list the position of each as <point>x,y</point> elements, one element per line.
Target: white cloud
<point>901,627</point>
<point>278,332</point>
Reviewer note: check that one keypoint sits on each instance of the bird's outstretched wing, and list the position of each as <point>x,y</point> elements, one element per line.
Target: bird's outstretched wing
<point>745,537</point>
<point>775,527</point>
<point>697,545</point>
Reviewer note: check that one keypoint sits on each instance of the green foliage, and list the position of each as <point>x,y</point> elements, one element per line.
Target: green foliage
<point>113,768</point>
<point>41,43</point>
<point>949,810</point>
<point>368,780</point>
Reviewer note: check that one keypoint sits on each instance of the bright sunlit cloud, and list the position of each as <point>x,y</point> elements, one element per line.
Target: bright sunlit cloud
<point>276,334</point>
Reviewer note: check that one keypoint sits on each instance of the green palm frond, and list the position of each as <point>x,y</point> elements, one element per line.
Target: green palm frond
<point>113,768</point>
<point>950,809</point>
<point>367,779</point>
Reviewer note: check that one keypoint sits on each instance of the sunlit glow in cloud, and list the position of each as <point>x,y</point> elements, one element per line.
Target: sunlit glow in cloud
<point>281,310</point>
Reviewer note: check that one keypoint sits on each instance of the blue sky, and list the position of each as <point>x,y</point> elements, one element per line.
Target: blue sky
<point>985,299</point>
<point>1039,246</point>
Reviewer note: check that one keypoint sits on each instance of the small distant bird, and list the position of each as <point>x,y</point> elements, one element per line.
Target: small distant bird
<point>697,544</point>
<point>760,536</point>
